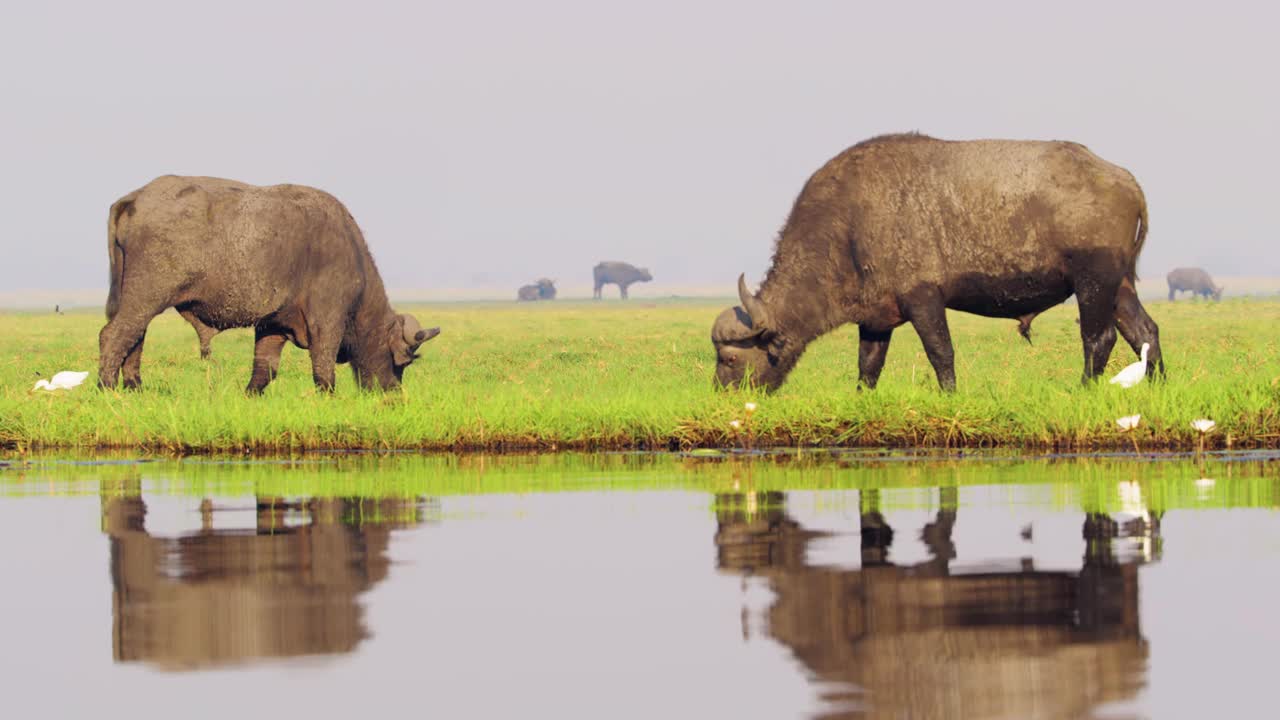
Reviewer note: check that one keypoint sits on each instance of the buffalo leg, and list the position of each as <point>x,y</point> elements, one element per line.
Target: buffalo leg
<point>203,332</point>
<point>1097,300</point>
<point>1172,292</point>
<point>622,289</point>
<point>120,337</point>
<point>325,343</point>
<point>1137,327</point>
<point>131,370</point>
<point>595,293</point>
<point>877,534</point>
<point>266,360</point>
<point>873,346</point>
<point>928,316</point>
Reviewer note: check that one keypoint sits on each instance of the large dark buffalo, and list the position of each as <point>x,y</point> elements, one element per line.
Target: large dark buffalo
<point>900,228</point>
<point>286,260</point>
<point>543,289</point>
<point>620,274</point>
<point>1194,279</point>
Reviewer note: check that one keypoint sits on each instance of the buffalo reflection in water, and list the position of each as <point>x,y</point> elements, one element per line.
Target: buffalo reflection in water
<point>932,641</point>
<point>288,587</point>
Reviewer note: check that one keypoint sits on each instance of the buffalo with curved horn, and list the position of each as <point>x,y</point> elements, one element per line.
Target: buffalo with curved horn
<point>902,228</point>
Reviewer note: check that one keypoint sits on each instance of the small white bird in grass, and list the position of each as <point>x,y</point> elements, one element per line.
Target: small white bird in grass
<point>1133,374</point>
<point>64,380</point>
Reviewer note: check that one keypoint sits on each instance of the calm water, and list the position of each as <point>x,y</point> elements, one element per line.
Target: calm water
<point>827,585</point>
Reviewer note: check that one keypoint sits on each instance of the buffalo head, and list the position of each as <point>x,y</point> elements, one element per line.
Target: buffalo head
<point>644,274</point>
<point>404,337</point>
<point>744,341</point>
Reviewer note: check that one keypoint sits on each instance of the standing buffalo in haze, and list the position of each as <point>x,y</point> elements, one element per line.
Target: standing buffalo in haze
<point>900,228</point>
<point>543,289</point>
<point>620,274</point>
<point>286,260</point>
<point>1194,279</point>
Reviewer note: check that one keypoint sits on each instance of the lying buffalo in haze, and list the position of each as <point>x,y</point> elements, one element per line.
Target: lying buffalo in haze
<point>543,289</point>
<point>900,228</point>
<point>287,260</point>
<point>620,274</point>
<point>1195,280</point>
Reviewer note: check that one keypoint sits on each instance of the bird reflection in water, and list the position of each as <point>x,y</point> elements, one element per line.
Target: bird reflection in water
<point>933,640</point>
<point>288,587</point>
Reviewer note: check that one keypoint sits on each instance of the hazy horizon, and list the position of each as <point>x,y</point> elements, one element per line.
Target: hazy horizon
<point>487,144</point>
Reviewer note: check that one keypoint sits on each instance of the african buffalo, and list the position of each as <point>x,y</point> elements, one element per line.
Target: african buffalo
<point>1194,279</point>
<point>900,228</point>
<point>543,289</point>
<point>620,274</point>
<point>287,260</point>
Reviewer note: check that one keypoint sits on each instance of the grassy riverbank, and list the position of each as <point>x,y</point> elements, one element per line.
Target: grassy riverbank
<point>578,374</point>
<point>1092,483</point>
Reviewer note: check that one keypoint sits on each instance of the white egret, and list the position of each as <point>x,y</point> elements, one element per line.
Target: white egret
<point>64,380</point>
<point>1133,374</point>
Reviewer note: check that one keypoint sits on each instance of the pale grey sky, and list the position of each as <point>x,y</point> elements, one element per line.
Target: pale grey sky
<point>488,143</point>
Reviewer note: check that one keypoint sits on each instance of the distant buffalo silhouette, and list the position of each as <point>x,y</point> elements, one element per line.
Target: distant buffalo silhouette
<point>620,274</point>
<point>1195,280</point>
<point>542,289</point>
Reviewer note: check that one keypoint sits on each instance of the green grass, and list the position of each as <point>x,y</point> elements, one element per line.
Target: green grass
<point>583,375</point>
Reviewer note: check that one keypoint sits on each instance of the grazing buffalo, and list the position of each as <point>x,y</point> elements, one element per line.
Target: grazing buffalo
<point>620,274</point>
<point>900,228</point>
<point>1194,279</point>
<point>286,260</point>
<point>543,289</point>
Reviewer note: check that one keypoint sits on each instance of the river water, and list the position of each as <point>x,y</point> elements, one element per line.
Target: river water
<point>828,584</point>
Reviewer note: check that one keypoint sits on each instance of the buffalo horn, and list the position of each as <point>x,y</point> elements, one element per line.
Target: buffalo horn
<point>753,306</point>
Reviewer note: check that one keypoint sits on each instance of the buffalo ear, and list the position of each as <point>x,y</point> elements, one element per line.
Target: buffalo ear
<point>401,353</point>
<point>425,335</point>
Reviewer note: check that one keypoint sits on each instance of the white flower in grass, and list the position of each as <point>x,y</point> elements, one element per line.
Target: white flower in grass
<point>735,424</point>
<point>1205,483</point>
<point>751,407</point>
<point>1128,422</point>
<point>1203,425</point>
